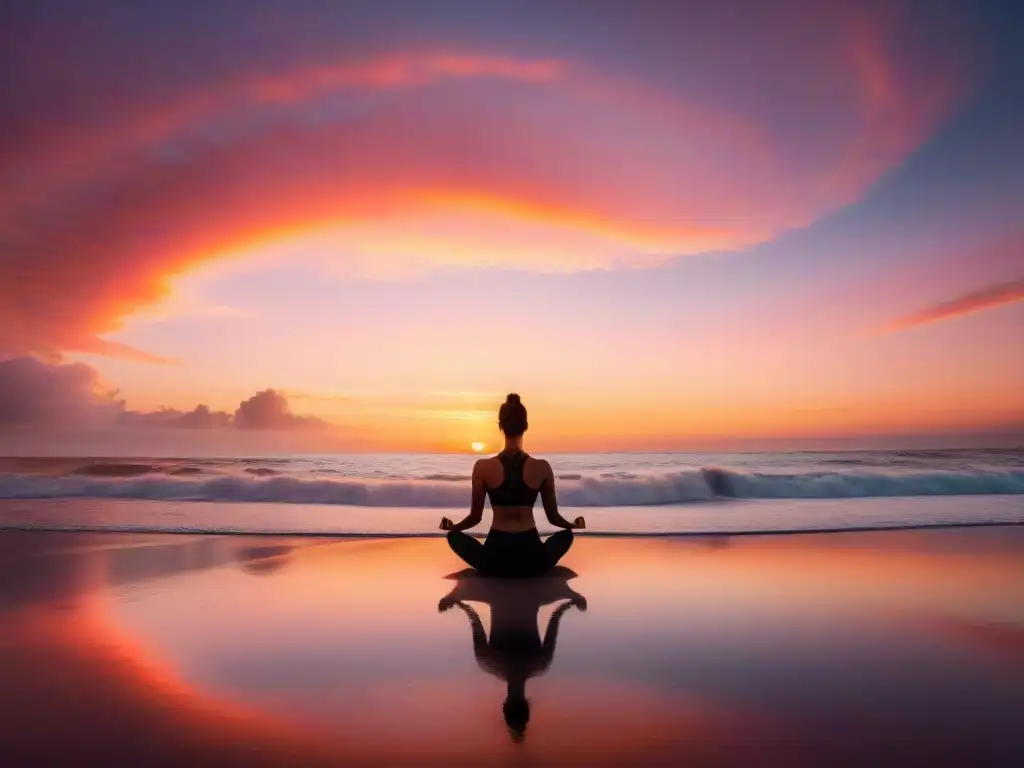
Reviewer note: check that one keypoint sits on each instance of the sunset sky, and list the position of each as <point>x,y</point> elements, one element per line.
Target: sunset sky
<point>667,225</point>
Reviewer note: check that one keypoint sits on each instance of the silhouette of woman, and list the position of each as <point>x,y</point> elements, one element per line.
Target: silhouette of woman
<point>514,652</point>
<point>512,479</point>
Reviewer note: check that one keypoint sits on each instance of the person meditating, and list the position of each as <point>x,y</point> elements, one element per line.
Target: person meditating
<point>512,480</point>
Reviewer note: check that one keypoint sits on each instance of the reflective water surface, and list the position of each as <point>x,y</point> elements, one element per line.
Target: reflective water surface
<point>171,650</point>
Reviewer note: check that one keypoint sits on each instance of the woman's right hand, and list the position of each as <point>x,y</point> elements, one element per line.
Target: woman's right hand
<point>579,522</point>
<point>446,524</point>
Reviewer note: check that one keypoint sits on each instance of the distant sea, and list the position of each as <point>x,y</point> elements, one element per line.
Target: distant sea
<point>404,494</point>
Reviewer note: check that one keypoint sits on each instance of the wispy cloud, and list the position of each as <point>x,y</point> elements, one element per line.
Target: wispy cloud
<point>98,346</point>
<point>176,308</point>
<point>327,397</point>
<point>455,414</point>
<point>990,296</point>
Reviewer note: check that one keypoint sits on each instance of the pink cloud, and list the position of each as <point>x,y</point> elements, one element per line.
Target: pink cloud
<point>393,71</point>
<point>269,410</point>
<point>98,212</point>
<point>989,297</point>
<point>200,417</point>
<point>98,346</point>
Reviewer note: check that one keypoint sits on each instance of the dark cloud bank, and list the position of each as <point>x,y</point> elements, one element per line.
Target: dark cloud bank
<point>34,393</point>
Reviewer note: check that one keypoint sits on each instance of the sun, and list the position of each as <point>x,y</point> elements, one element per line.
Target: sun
<point>478,447</point>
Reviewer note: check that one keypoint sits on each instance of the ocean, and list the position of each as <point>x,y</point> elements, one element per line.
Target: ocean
<point>619,494</point>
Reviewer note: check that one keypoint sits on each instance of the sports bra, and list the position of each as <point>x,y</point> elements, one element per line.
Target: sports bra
<point>513,491</point>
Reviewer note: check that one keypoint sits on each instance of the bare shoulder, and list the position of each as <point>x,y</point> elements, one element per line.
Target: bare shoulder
<point>484,468</point>
<point>542,464</point>
<point>537,470</point>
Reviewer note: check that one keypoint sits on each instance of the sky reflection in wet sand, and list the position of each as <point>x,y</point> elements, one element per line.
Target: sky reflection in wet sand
<point>239,649</point>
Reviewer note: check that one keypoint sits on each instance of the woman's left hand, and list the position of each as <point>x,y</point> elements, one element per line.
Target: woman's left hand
<point>446,524</point>
<point>579,522</point>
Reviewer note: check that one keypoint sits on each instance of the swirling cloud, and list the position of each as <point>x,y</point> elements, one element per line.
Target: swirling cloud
<point>494,143</point>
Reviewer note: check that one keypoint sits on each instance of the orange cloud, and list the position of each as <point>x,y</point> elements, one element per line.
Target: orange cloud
<point>988,297</point>
<point>69,281</point>
<point>408,160</point>
<point>80,158</point>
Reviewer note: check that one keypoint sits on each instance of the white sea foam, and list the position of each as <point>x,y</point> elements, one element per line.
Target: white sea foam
<point>677,487</point>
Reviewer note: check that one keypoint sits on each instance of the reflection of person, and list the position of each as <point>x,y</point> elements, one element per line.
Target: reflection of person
<point>512,480</point>
<point>514,652</point>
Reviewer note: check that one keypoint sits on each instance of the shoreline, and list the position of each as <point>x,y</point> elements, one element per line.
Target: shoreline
<point>481,534</point>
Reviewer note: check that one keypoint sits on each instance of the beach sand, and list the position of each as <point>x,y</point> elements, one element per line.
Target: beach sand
<point>855,648</point>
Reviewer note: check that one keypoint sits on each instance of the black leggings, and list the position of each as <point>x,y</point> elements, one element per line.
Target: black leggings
<point>521,554</point>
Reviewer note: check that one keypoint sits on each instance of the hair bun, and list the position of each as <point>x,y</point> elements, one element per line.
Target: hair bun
<point>512,416</point>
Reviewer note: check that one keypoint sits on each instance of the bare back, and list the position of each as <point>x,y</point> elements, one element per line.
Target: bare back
<point>489,474</point>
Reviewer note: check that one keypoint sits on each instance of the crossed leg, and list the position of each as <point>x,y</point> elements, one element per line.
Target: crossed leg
<point>555,547</point>
<point>473,552</point>
<point>469,549</point>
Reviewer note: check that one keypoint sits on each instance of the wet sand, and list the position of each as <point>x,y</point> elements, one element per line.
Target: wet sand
<point>856,648</point>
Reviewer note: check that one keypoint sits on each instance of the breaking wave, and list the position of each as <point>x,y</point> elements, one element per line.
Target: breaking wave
<point>440,491</point>
<point>115,469</point>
